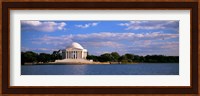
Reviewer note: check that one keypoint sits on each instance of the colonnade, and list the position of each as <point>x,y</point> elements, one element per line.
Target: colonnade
<point>74,54</point>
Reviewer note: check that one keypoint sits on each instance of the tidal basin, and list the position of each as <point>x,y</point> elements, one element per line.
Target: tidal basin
<point>101,69</point>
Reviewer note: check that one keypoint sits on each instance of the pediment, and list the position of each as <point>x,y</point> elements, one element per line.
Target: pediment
<point>74,49</point>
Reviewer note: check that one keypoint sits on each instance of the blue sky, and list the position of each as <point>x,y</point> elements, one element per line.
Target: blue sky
<point>141,37</point>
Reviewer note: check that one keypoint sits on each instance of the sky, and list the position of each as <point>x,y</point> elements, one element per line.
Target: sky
<point>139,37</point>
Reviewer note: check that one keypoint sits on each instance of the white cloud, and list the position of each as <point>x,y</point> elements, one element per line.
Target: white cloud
<point>87,25</point>
<point>103,37</point>
<point>42,26</point>
<point>39,50</point>
<point>152,47</point>
<point>151,25</point>
<point>23,49</point>
<point>53,40</point>
<point>103,44</point>
<point>125,36</point>
<point>137,43</point>
<point>61,26</point>
<point>32,23</point>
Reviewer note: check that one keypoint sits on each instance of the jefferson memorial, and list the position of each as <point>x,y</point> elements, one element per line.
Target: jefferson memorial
<point>74,53</point>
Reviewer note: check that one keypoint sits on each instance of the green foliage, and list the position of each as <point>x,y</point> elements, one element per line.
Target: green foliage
<point>131,58</point>
<point>115,56</point>
<point>28,57</point>
<point>32,57</point>
<point>43,57</point>
<point>55,56</point>
<point>92,57</point>
<point>161,58</point>
<point>123,59</point>
<point>105,57</point>
<point>138,58</point>
<point>22,58</point>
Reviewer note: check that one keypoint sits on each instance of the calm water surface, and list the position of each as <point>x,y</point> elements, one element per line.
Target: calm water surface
<point>115,69</point>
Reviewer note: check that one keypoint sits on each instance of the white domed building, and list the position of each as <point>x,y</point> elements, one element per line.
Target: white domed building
<point>74,53</point>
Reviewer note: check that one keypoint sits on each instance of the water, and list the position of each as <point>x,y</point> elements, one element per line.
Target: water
<point>100,69</point>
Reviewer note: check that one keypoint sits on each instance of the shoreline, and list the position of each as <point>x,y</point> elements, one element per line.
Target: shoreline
<point>66,63</point>
<point>78,63</point>
<point>93,63</point>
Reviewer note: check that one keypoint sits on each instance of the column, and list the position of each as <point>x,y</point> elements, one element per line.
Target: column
<point>70,54</point>
<point>84,55</point>
<point>81,54</point>
<point>76,54</point>
<point>66,55</point>
<point>73,54</point>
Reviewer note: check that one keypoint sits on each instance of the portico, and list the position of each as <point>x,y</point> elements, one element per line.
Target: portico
<point>74,51</point>
<point>75,54</point>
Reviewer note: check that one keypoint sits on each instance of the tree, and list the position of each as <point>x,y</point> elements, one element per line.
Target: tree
<point>92,57</point>
<point>138,58</point>
<point>32,57</point>
<point>123,59</point>
<point>105,57</point>
<point>43,57</point>
<point>29,57</point>
<point>56,56</point>
<point>22,58</point>
<point>129,56</point>
<point>115,56</point>
<point>141,59</point>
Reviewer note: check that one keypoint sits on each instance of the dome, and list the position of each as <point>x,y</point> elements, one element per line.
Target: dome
<point>76,45</point>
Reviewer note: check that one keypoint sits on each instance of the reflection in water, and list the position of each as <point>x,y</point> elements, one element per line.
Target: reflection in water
<point>81,69</point>
<point>115,69</point>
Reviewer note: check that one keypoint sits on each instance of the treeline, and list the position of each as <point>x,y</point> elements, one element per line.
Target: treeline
<point>32,57</point>
<point>131,58</point>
